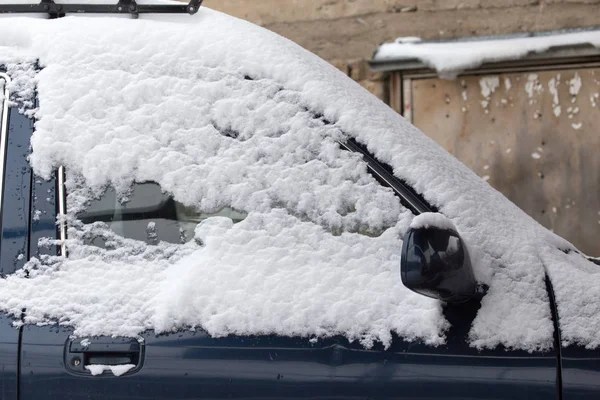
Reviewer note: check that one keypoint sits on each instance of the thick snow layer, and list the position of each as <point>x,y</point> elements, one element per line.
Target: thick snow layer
<point>222,113</point>
<point>576,283</point>
<point>451,58</point>
<point>427,220</point>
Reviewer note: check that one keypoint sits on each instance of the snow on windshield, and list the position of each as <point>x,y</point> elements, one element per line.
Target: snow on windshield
<point>221,113</point>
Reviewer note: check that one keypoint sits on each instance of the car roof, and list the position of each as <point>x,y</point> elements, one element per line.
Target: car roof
<point>143,101</point>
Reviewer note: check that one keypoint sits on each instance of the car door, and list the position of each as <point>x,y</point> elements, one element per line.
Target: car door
<point>193,365</point>
<point>190,365</point>
<point>580,369</point>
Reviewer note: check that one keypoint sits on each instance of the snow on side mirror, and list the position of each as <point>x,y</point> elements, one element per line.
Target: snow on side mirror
<point>435,261</point>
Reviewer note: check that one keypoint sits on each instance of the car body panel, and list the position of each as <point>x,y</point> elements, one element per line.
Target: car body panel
<point>9,359</point>
<point>580,373</point>
<point>192,365</point>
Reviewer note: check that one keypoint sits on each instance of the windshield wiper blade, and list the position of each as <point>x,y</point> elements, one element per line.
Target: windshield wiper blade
<point>409,198</point>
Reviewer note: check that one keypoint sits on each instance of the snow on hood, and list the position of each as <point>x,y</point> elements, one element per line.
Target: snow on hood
<point>220,112</point>
<point>451,58</point>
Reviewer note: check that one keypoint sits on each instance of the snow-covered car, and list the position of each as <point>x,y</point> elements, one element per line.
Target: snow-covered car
<point>195,207</point>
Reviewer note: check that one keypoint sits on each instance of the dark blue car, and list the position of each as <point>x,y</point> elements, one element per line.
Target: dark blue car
<point>195,208</point>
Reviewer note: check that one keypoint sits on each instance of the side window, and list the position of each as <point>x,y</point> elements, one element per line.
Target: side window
<point>149,215</point>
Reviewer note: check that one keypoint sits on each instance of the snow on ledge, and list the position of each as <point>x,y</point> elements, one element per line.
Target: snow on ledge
<point>430,219</point>
<point>451,58</point>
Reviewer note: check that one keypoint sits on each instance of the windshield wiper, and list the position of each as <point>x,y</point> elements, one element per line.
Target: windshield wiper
<point>383,173</point>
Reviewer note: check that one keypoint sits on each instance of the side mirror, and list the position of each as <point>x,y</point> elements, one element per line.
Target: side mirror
<point>435,261</point>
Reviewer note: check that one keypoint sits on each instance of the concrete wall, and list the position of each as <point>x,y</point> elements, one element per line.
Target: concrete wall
<point>347,31</point>
<point>538,149</point>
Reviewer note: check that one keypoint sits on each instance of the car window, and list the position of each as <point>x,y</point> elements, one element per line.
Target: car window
<point>148,214</point>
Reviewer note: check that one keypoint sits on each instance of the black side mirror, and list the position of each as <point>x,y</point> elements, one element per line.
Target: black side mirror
<point>435,263</point>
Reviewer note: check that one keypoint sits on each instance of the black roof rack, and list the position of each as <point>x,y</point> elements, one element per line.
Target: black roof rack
<point>55,10</point>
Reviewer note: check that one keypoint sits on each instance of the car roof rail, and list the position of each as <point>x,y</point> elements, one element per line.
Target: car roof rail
<point>56,10</point>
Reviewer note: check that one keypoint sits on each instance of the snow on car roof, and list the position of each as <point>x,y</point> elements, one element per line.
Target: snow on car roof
<point>220,112</point>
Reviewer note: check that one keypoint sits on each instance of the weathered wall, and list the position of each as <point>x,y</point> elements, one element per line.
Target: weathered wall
<point>354,28</point>
<point>532,135</point>
<point>345,31</point>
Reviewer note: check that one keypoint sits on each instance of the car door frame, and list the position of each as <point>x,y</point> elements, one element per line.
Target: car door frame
<point>14,234</point>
